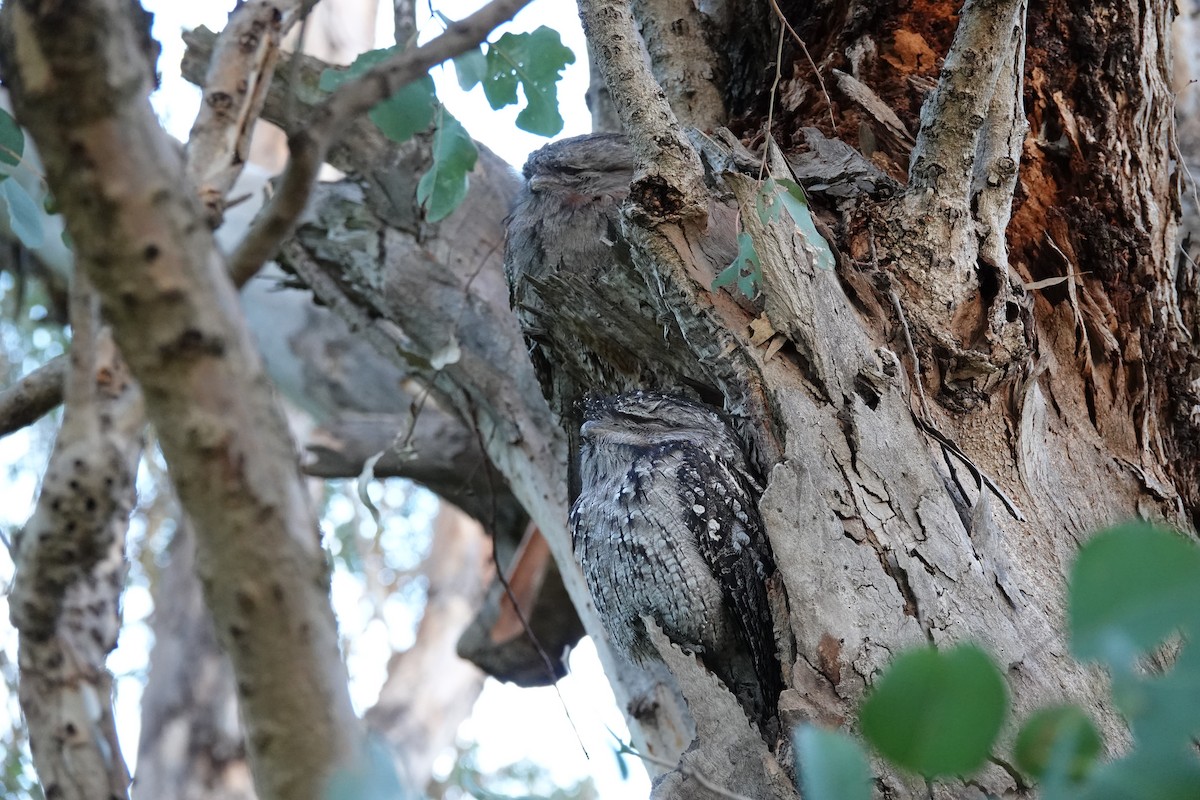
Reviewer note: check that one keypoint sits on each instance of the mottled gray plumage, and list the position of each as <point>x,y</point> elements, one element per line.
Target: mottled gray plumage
<point>581,305</point>
<point>565,222</point>
<point>667,526</point>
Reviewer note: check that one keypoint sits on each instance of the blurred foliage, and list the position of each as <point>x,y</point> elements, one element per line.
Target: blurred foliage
<point>936,712</point>
<point>1134,606</point>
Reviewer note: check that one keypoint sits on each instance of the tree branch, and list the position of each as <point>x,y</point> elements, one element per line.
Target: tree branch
<point>998,156</point>
<point>140,236</point>
<point>33,396</point>
<point>234,89</point>
<point>952,119</point>
<point>669,182</point>
<point>70,560</point>
<point>688,69</point>
<point>954,216</point>
<point>310,144</point>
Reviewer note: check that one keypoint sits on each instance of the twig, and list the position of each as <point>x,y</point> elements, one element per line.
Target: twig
<point>811,63</point>
<point>33,396</point>
<point>311,142</point>
<point>720,791</point>
<point>912,350</point>
<point>981,477</point>
<point>762,167</point>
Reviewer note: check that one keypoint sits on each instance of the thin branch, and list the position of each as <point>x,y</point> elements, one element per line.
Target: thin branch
<point>952,117</point>
<point>33,396</point>
<point>310,144</point>
<point>404,12</point>
<point>762,167</point>
<point>804,49</point>
<point>669,183</point>
<point>719,791</point>
<point>981,478</point>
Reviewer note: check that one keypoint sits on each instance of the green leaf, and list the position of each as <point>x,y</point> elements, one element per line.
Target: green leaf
<point>622,767</point>
<point>936,713</point>
<point>408,111</point>
<point>1130,588</point>
<point>1059,740</point>
<point>745,270</point>
<point>471,68</point>
<point>1163,710</point>
<point>766,203</point>
<point>535,60</point>
<point>1146,775</point>
<point>334,77</point>
<point>24,216</point>
<point>12,142</point>
<point>831,765</point>
<point>796,203</point>
<point>444,185</point>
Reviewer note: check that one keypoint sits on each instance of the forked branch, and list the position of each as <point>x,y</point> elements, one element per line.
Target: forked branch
<point>310,144</point>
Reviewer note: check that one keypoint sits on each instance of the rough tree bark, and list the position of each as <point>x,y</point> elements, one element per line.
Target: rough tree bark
<point>1003,360</point>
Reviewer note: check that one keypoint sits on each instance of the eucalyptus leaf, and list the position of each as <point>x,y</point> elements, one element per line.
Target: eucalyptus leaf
<point>444,185</point>
<point>1059,740</point>
<point>23,214</point>
<point>408,111</point>
<point>12,142</point>
<point>1130,588</point>
<point>471,68</point>
<point>796,202</point>
<point>936,713</point>
<point>745,271</point>
<point>831,765</point>
<point>535,61</point>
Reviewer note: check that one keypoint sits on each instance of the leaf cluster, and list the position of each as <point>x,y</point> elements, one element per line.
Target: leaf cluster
<point>534,61</point>
<point>1133,603</point>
